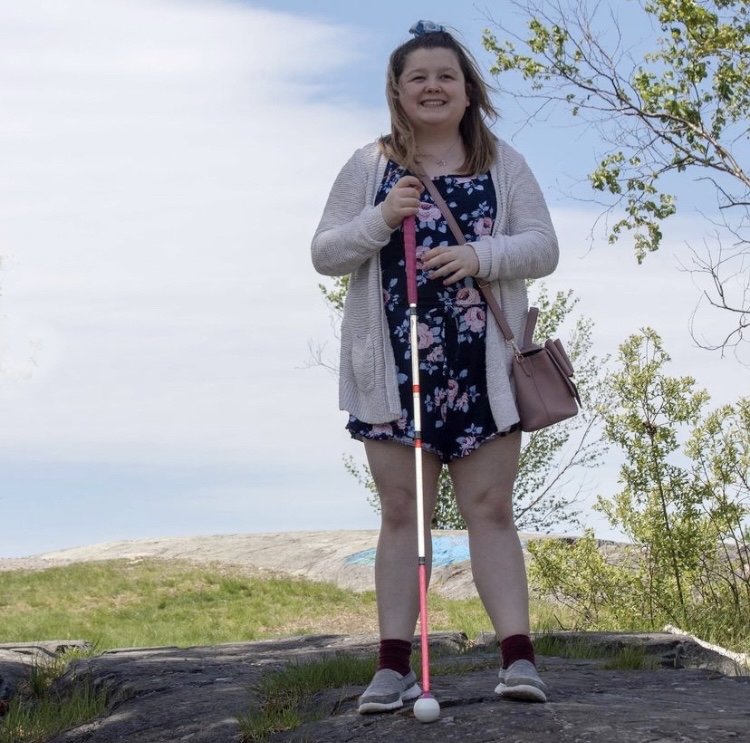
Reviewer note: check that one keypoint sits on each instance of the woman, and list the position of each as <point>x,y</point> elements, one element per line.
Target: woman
<point>439,105</point>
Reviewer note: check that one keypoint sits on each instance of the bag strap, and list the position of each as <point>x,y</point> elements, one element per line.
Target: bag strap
<point>489,297</point>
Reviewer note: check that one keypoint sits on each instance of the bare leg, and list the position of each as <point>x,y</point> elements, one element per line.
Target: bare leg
<point>483,482</point>
<point>396,584</point>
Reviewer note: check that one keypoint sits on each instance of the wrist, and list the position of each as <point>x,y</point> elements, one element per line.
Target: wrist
<point>389,218</point>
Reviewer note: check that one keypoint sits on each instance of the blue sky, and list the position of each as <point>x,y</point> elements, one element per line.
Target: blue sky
<point>165,163</point>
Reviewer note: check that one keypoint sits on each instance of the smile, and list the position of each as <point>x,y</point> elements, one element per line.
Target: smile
<point>433,104</point>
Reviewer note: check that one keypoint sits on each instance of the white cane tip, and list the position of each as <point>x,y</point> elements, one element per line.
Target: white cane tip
<point>426,709</point>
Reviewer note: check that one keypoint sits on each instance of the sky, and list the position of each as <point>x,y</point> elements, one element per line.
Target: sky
<point>164,164</point>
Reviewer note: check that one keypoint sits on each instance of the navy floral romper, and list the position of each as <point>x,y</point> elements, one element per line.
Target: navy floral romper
<point>456,416</point>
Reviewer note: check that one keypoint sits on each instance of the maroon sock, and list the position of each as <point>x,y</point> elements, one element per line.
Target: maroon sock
<point>395,654</point>
<point>516,647</point>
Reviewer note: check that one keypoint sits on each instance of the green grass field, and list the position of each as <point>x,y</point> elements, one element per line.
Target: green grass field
<point>145,603</point>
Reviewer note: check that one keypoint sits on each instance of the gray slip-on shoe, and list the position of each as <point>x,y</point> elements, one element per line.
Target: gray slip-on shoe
<point>521,681</point>
<point>388,690</point>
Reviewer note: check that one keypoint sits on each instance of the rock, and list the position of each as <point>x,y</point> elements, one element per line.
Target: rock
<point>18,659</point>
<point>166,695</point>
<point>345,558</point>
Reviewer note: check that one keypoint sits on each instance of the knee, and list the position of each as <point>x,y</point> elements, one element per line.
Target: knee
<point>398,508</point>
<point>492,509</point>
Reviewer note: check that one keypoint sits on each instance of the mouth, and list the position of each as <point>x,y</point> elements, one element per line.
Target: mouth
<point>432,104</point>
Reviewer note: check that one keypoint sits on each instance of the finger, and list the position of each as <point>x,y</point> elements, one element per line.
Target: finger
<point>434,257</point>
<point>411,181</point>
<point>408,199</point>
<point>446,269</point>
<point>456,276</point>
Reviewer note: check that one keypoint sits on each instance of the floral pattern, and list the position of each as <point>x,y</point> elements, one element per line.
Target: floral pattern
<point>456,416</point>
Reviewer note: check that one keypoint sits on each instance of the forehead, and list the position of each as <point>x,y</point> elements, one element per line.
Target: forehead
<point>432,59</point>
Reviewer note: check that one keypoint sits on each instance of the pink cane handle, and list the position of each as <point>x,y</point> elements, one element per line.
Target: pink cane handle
<point>410,253</point>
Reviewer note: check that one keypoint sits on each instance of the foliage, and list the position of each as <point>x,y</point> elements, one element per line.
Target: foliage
<point>684,506</point>
<point>682,107</point>
<point>575,573</point>
<point>543,496</point>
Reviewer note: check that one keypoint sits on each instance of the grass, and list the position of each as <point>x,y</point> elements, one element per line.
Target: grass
<point>629,657</point>
<point>39,711</point>
<point>149,603</point>
<point>287,698</point>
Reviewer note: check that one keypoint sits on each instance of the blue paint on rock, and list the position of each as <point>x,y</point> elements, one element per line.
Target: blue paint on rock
<point>446,550</point>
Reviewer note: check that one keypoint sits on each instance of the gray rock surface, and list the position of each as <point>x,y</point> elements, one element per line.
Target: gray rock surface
<point>166,695</point>
<point>169,695</point>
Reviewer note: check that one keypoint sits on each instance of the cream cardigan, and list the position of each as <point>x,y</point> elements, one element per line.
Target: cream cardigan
<point>349,238</point>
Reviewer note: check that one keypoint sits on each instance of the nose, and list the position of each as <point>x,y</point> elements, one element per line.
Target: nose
<point>433,85</point>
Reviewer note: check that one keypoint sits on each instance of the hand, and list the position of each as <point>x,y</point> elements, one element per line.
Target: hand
<point>453,263</point>
<point>402,201</point>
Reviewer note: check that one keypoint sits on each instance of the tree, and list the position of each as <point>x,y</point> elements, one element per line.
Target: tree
<point>682,107</point>
<point>684,506</point>
<point>545,496</point>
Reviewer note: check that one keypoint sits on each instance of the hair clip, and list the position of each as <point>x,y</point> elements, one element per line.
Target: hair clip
<point>426,27</point>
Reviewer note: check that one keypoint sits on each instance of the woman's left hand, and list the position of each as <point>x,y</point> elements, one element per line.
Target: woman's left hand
<point>451,263</point>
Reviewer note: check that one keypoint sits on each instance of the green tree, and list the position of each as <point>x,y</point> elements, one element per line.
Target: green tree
<point>680,107</point>
<point>684,507</point>
<point>659,508</point>
<point>552,460</point>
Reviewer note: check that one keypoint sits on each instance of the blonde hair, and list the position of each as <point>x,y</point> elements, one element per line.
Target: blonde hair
<point>479,142</point>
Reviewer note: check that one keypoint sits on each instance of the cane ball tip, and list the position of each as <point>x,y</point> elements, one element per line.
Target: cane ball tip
<point>426,709</point>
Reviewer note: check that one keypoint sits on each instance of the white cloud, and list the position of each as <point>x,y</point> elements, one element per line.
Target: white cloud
<point>164,168</point>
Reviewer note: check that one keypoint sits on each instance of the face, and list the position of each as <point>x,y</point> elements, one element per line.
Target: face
<point>432,90</point>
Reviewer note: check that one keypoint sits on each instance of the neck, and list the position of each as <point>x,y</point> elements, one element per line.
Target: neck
<point>437,141</point>
<point>440,155</point>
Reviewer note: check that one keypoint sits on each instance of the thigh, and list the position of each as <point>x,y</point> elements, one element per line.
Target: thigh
<point>393,470</point>
<point>484,479</point>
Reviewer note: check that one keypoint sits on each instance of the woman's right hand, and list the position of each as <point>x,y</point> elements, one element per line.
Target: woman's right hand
<point>402,201</point>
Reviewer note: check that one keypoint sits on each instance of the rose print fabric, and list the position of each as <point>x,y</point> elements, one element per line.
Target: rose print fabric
<point>456,416</point>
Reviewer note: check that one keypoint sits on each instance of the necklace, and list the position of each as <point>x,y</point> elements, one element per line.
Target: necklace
<point>440,160</point>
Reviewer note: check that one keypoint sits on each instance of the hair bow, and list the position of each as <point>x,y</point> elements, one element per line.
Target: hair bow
<point>425,27</point>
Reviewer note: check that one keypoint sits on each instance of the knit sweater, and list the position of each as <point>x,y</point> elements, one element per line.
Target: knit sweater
<point>349,238</point>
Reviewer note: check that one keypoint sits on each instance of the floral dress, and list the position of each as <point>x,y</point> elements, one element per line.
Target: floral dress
<point>456,415</point>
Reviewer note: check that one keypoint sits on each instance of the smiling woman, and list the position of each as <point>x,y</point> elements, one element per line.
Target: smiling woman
<point>414,321</point>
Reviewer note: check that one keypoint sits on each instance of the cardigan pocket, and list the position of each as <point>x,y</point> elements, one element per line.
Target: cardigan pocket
<point>363,362</point>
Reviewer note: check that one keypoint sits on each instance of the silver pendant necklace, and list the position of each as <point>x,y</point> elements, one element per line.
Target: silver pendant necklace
<point>441,161</point>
